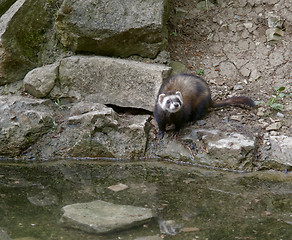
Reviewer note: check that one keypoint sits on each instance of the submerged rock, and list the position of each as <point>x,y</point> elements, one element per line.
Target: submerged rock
<point>4,235</point>
<point>118,187</point>
<point>43,198</point>
<point>155,237</point>
<point>104,217</point>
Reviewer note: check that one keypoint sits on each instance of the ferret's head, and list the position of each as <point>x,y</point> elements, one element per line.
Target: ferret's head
<point>170,101</point>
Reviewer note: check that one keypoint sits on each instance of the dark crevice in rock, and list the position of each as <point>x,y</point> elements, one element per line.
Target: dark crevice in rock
<point>129,110</point>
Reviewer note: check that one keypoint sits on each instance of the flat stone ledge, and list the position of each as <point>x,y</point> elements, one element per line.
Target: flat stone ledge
<point>120,82</point>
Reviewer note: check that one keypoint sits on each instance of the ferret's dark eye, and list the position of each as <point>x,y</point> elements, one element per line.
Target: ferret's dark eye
<point>168,101</point>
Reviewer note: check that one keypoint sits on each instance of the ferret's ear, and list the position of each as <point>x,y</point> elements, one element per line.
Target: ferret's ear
<point>178,93</point>
<point>160,98</point>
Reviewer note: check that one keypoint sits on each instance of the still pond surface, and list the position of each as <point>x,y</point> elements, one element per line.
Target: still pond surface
<point>190,203</point>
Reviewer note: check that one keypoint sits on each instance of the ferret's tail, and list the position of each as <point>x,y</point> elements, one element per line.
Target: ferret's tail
<point>234,101</point>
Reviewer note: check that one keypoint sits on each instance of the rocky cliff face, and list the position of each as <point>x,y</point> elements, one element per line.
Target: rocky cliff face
<point>67,96</point>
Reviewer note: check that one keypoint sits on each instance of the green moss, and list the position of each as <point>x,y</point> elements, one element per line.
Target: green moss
<point>32,44</point>
<point>5,5</point>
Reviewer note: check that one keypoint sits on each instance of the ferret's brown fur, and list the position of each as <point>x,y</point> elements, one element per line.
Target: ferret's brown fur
<point>196,100</point>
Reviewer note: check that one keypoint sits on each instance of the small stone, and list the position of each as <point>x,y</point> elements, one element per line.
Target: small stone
<point>245,71</point>
<point>274,133</point>
<point>248,25</point>
<point>261,112</point>
<point>263,124</point>
<point>238,87</point>
<point>274,126</point>
<point>118,187</point>
<point>189,180</point>
<point>281,115</point>
<point>236,117</point>
<point>274,34</point>
<point>275,21</point>
<point>267,142</point>
<point>201,122</point>
<point>179,12</point>
<point>254,75</point>
<point>268,213</point>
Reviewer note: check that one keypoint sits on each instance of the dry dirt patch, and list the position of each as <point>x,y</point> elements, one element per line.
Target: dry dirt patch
<point>228,43</point>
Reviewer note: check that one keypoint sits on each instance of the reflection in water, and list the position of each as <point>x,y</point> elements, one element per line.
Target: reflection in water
<point>190,203</point>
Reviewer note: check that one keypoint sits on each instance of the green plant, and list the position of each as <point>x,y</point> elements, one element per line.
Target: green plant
<point>278,96</point>
<point>58,103</point>
<point>174,33</point>
<point>200,72</point>
<point>55,125</point>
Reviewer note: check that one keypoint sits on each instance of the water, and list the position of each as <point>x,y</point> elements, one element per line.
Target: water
<point>190,203</point>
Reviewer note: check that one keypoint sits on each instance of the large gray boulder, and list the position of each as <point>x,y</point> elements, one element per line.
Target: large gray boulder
<point>212,148</point>
<point>228,150</point>
<point>23,121</point>
<point>103,217</point>
<point>22,36</point>
<point>114,28</point>
<point>114,81</point>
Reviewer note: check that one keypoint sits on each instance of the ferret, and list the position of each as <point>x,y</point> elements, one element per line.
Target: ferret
<point>186,98</point>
